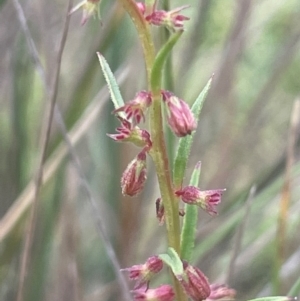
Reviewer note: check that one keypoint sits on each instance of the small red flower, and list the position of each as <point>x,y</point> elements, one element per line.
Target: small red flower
<point>220,292</point>
<point>135,135</point>
<point>135,175</point>
<point>180,117</point>
<point>194,282</point>
<point>206,199</point>
<point>142,273</point>
<point>136,108</point>
<point>163,293</point>
<point>89,7</point>
<point>171,19</point>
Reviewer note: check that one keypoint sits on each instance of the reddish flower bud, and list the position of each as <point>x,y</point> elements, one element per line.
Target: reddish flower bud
<point>180,117</point>
<point>220,292</point>
<point>163,293</point>
<point>142,273</point>
<point>171,19</point>
<point>89,7</point>
<point>127,133</point>
<point>135,175</point>
<point>136,108</point>
<point>194,282</point>
<point>207,199</point>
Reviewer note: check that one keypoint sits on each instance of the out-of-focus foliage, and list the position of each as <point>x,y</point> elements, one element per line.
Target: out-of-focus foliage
<point>253,49</point>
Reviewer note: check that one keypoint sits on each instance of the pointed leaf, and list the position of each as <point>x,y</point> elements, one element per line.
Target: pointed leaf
<point>188,233</point>
<point>185,143</point>
<point>173,260</point>
<point>276,298</point>
<point>160,59</point>
<point>111,82</point>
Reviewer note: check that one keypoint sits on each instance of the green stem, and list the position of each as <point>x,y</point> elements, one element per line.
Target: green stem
<point>158,150</point>
<point>143,32</point>
<point>159,155</point>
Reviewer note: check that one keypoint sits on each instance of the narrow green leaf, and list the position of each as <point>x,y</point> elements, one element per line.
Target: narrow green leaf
<point>111,82</point>
<point>166,259</point>
<point>275,298</point>
<point>173,260</point>
<point>190,219</point>
<point>185,143</point>
<point>177,267</point>
<point>196,175</point>
<point>156,73</point>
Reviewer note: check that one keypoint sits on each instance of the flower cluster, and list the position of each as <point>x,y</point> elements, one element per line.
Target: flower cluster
<point>133,134</point>
<point>182,122</point>
<point>172,19</point>
<point>180,119</point>
<point>206,199</point>
<point>135,109</point>
<point>193,281</point>
<point>135,175</point>
<point>142,273</point>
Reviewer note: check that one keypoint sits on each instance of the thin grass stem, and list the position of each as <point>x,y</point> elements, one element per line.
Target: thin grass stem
<point>25,256</point>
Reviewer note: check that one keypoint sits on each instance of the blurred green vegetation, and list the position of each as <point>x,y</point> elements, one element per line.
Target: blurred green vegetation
<point>253,49</point>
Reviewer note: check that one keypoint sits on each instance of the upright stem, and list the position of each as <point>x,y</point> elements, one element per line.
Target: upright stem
<point>160,158</point>
<point>158,150</point>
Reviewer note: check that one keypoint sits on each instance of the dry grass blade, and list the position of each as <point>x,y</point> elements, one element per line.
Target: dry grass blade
<point>286,190</point>
<point>25,259</point>
<point>67,274</point>
<point>239,235</point>
<point>225,76</point>
<point>282,60</point>
<point>225,81</point>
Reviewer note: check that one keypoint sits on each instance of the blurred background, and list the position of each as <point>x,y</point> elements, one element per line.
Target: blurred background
<point>245,139</point>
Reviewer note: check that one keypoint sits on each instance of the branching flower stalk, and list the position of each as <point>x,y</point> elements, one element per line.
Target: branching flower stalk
<point>188,281</point>
<point>158,150</point>
<point>180,118</point>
